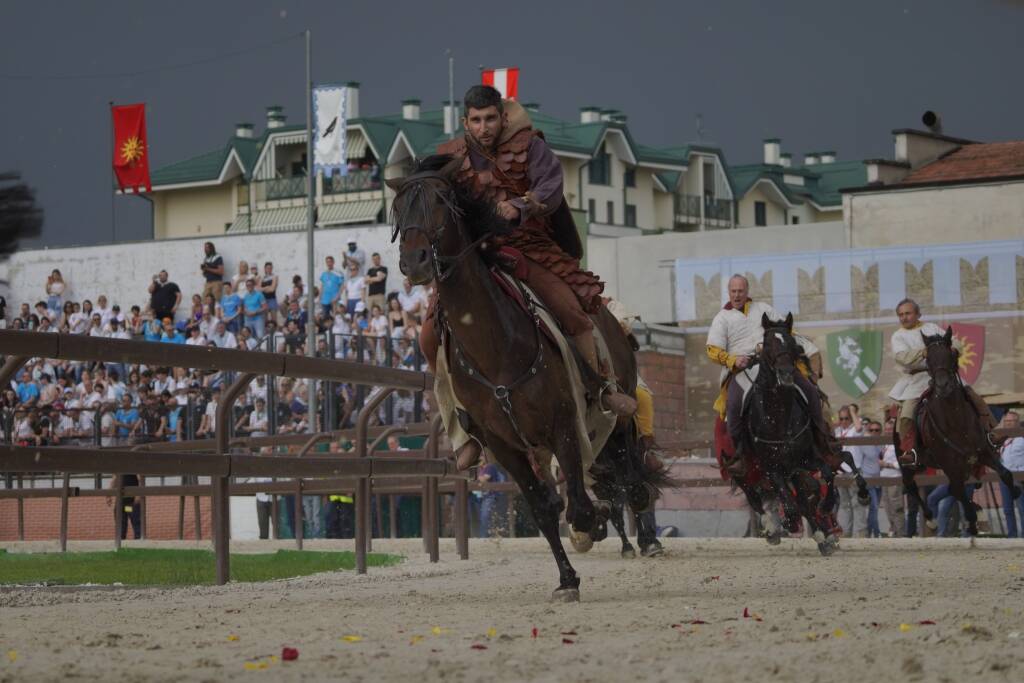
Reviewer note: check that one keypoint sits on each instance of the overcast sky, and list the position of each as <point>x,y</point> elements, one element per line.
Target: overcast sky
<point>818,74</point>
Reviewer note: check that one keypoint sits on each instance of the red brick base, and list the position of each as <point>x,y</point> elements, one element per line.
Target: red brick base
<point>665,374</point>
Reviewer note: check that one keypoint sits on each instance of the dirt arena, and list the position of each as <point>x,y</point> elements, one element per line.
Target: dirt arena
<point>710,610</point>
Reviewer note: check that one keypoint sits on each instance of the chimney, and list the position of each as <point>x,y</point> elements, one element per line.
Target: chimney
<point>772,150</point>
<point>352,100</point>
<point>448,109</point>
<point>590,114</point>
<point>531,106</point>
<point>786,159</point>
<point>411,110</point>
<point>828,157</point>
<point>933,121</point>
<point>243,130</point>
<point>607,114</point>
<point>810,159</point>
<point>275,116</point>
<point>618,117</point>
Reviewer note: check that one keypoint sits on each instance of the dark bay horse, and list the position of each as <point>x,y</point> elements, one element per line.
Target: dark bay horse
<point>950,435</point>
<point>508,375</point>
<point>781,437</point>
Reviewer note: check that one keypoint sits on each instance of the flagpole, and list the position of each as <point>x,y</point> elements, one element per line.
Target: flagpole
<point>310,210</point>
<point>451,94</point>
<point>113,192</point>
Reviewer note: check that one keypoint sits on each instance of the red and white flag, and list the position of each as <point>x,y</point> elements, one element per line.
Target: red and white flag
<point>505,81</point>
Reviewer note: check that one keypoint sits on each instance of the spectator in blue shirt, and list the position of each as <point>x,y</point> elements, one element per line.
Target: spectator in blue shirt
<point>152,330</point>
<point>126,418</point>
<point>28,391</point>
<point>230,308</point>
<point>171,334</point>
<point>330,286</point>
<point>255,309</point>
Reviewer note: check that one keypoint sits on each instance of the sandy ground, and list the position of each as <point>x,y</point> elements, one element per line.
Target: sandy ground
<point>810,618</point>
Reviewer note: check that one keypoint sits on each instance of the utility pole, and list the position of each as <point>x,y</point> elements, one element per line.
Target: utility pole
<point>451,94</point>
<point>310,221</point>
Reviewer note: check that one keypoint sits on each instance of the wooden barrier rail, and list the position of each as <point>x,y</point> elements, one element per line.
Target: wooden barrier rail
<point>179,458</point>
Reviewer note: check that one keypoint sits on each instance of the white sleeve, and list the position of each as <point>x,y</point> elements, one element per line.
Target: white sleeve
<point>717,333</point>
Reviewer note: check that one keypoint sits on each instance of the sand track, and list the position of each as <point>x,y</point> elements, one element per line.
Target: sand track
<point>818,617</point>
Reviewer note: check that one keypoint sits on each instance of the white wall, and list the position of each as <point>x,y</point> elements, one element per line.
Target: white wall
<point>638,270</point>
<point>124,271</point>
<point>936,215</point>
<point>193,212</point>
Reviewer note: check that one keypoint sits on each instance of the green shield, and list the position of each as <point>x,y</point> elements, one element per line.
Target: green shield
<point>854,357</point>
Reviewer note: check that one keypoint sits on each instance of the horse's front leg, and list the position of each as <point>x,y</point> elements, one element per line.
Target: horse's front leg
<point>545,505</point>
<point>910,488</point>
<point>958,490</point>
<point>565,445</point>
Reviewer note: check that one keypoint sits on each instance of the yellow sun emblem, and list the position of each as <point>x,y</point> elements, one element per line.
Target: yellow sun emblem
<point>968,354</point>
<point>131,150</point>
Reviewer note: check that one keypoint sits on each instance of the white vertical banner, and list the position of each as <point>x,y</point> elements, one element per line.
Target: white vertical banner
<point>329,127</point>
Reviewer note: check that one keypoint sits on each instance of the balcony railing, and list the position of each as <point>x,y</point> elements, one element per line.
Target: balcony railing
<point>285,188</point>
<point>355,181</point>
<point>716,212</point>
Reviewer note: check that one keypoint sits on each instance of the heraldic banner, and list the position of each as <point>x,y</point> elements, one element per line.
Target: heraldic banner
<point>972,339</point>
<point>854,358</point>
<point>131,150</point>
<point>329,128</point>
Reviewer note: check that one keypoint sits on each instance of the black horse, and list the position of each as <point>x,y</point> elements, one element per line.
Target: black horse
<point>780,435</point>
<point>950,435</point>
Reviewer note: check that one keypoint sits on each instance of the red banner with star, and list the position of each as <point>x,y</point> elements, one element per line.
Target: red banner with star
<point>131,151</point>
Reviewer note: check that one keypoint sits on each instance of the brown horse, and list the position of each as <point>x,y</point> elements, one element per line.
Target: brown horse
<point>506,372</point>
<point>950,435</point>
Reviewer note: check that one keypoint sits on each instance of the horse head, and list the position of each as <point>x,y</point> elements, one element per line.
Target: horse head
<point>943,362</point>
<point>779,349</point>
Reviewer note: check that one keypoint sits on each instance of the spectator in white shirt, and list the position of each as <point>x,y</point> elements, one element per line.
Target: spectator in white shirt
<point>892,496</point>
<point>853,517</point>
<point>103,310</point>
<point>413,301</point>
<point>195,336</point>
<point>223,339</point>
<point>1011,452</point>
<point>871,466</point>
<point>355,289</point>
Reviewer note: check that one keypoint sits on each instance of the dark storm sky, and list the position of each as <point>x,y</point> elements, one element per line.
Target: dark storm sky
<point>818,74</point>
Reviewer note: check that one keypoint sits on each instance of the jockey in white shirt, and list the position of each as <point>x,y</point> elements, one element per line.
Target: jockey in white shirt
<point>908,351</point>
<point>732,342</point>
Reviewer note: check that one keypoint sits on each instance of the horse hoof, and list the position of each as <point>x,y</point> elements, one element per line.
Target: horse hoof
<point>599,532</point>
<point>628,554</point>
<point>864,500</point>
<point>566,595</point>
<point>774,539</point>
<point>931,524</point>
<point>653,550</point>
<point>581,541</point>
<point>826,549</point>
<point>642,497</point>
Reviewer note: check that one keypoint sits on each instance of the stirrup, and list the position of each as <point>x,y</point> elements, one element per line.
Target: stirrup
<point>994,441</point>
<point>911,461</point>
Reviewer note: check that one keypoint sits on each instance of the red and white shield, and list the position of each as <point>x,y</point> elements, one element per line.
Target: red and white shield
<point>972,339</point>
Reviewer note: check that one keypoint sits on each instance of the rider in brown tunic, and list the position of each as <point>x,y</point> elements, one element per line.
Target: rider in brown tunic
<point>507,162</point>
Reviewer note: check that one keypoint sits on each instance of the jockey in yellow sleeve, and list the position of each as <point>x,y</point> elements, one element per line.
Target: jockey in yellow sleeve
<point>732,342</point>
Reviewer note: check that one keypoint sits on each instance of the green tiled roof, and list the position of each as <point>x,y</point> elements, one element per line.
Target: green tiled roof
<point>821,181</point>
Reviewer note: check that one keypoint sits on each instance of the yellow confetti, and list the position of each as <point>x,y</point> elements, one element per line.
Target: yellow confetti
<point>262,665</point>
<point>273,658</point>
<point>436,630</point>
<point>232,637</point>
<point>838,633</point>
<point>251,666</point>
<point>967,626</point>
<point>1014,567</point>
<point>351,639</point>
<point>491,632</point>
<point>415,639</point>
<point>905,627</point>
<point>810,636</point>
<point>12,655</point>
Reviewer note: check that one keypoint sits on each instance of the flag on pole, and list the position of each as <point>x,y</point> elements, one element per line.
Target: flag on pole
<point>329,128</point>
<point>131,150</point>
<point>505,81</point>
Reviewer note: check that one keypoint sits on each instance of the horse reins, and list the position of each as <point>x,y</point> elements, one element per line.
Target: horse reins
<point>501,392</point>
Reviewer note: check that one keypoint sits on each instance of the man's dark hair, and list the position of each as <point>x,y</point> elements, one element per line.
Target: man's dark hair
<point>211,246</point>
<point>481,97</point>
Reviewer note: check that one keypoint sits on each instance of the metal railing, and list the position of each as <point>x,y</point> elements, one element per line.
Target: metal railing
<point>354,181</point>
<point>283,188</point>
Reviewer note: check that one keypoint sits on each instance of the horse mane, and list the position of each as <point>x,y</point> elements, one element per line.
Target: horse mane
<point>479,215</point>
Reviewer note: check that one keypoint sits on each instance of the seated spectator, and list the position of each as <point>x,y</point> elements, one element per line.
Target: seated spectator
<point>195,336</point>
<point>413,301</point>
<point>135,322</point>
<point>222,338</point>
<point>170,333</point>
<point>28,391</point>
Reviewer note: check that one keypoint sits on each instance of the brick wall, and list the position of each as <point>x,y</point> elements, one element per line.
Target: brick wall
<point>92,519</point>
<point>666,375</point>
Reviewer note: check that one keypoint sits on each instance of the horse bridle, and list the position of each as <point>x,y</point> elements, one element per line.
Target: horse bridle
<point>443,266</point>
<point>790,438</point>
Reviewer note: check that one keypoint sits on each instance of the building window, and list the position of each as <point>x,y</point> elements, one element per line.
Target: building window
<point>611,213</point>
<point>592,210</point>
<point>796,220</point>
<point>630,215</point>
<point>600,166</point>
<point>760,213</point>
<point>629,177</point>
